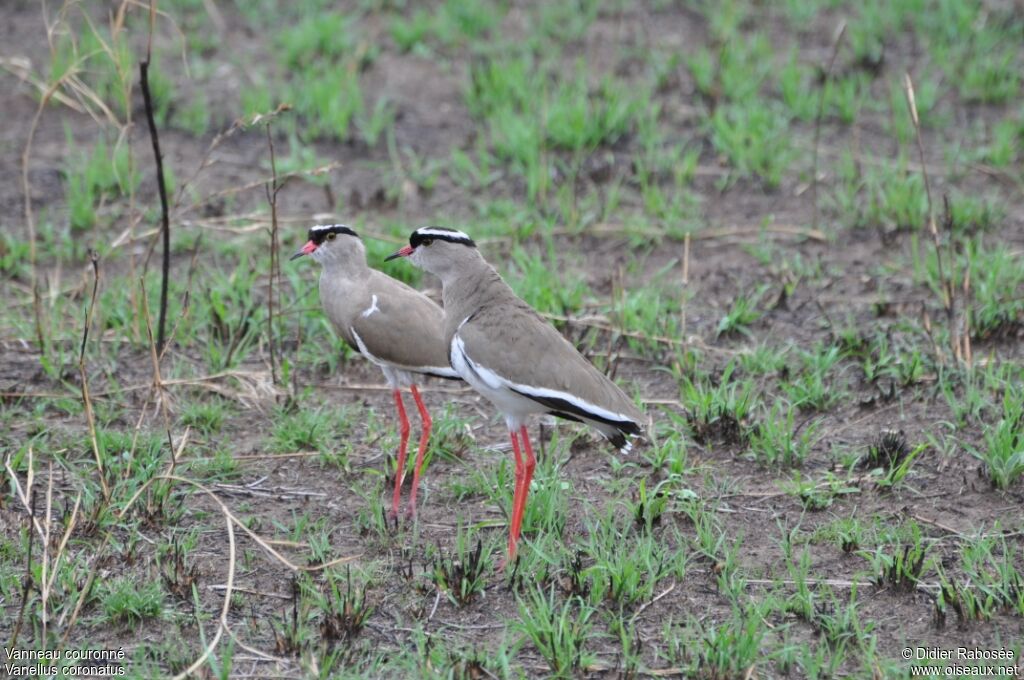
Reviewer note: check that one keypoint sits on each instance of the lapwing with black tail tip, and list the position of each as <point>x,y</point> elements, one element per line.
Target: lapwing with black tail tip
<point>509,354</point>
<point>394,326</point>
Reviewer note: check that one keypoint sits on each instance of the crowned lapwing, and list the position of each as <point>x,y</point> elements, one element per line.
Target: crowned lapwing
<point>394,326</point>
<point>509,354</point>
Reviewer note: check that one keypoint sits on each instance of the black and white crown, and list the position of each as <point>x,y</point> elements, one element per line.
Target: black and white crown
<point>426,234</point>
<point>318,233</point>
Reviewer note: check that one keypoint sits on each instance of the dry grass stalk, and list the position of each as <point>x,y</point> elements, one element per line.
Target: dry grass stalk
<point>25,494</point>
<point>231,522</point>
<point>229,586</point>
<point>205,162</point>
<point>685,284</point>
<point>602,323</point>
<point>954,307</point>
<point>255,184</point>
<point>263,543</point>
<point>27,584</point>
<point>21,68</point>
<point>49,565</point>
<point>26,189</point>
<point>84,594</point>
<point>86,401</point>
<point>44,590</point>
<point>840,33</point>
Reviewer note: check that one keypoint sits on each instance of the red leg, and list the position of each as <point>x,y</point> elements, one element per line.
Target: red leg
<point>403,433</point>
<point>424,439</point>
<point>529,464</point>
<point>513,527</point>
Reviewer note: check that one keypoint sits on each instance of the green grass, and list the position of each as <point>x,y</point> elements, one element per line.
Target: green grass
<point>573,116</point>
<point>560,631</point>
<point>753,137</point>
<point>717,408</point>
<point>900,564</point>
<point>892,199</point>
<point>130,603</point>
<point>725,648</point>
<point>779,439</point>
<point>595,149</point>
<point>742,314</point>
<point>627,570</point>
<point>735,72</point>
<point>1003,448</point>
<point>462,576</point>
<point>306,429</point>
<point>104,172</point>
<point>206,416</point>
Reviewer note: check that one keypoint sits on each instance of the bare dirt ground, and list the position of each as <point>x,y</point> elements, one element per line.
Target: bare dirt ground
<point>862,285</point>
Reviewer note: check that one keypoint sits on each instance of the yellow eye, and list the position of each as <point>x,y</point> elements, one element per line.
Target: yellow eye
<point>331,236</point>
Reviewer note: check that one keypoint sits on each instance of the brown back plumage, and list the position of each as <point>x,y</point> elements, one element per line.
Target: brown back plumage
<point>503,333</point>
<point>394,323</point>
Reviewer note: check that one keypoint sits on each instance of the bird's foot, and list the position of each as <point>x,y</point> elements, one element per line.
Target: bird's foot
<point>392,520</point>
<point>503,563</point>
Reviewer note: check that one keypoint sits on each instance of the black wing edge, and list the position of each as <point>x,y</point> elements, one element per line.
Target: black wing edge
<point>565,409</point>
<point>438,375</point>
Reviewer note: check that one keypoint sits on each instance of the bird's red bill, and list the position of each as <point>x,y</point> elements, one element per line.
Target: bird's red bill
<point>404,251</point>
<point>304,250</point>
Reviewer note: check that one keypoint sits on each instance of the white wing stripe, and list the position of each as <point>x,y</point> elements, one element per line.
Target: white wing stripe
<point>496,382</point>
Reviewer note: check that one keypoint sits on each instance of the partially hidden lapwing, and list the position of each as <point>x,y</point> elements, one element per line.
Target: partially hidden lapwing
<point>394,326</point>
<point>509,354</point>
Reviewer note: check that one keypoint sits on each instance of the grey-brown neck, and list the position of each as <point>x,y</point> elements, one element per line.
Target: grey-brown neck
<point>470,286</point>
<point>344,257</point>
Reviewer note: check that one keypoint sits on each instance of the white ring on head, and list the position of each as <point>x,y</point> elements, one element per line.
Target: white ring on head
<point>325,227</point>
<point>443,233</point>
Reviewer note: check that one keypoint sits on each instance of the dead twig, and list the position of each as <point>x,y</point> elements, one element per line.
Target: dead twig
<point>248,591</point>
<point>165,218</point>
<point>271,189</point>
<point>157,384</point>
<point>939,525</point>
